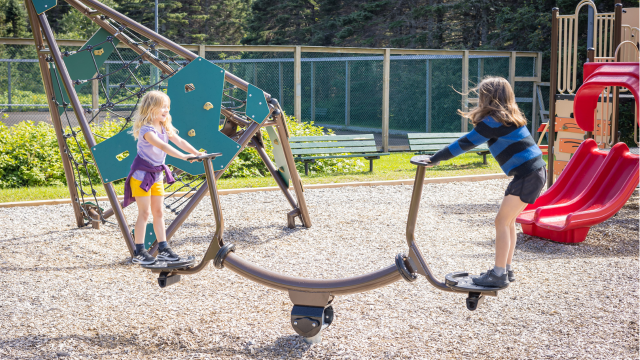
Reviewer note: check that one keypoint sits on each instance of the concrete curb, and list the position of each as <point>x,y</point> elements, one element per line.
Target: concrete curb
<point>275,188</point>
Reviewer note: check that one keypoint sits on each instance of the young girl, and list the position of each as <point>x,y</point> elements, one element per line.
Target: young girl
<point>153,130</point>
<point>499,121</point>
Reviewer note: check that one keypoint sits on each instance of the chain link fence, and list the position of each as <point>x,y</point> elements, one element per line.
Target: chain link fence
<point>339,90</point>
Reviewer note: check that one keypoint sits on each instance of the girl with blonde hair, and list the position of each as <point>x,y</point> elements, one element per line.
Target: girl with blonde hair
<point>152,129</point>
<point>498,121</point>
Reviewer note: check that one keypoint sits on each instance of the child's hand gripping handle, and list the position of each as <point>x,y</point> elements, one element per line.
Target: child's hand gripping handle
<point>423,160</point>
<point>204,157</point>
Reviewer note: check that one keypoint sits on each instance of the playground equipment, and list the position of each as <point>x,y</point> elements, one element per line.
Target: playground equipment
<point>597,175</point>
<point>595,183</point>
<point>312,299</point>
<point>197,89</point>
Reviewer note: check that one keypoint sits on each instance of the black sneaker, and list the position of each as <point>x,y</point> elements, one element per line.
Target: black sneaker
<point>490,279</point>
<point>510,275</point>
<point>167,255</point>
<point>143,258</point>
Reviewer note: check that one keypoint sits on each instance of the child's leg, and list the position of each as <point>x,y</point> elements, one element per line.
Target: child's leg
<point>143,216</point>
<point>157,204</point>
<point>510,208</point>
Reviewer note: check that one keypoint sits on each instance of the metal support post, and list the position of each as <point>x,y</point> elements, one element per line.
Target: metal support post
<point>512,70</point>
<point>347,94</point>
<point>617,39</point>
<point>553,86</point>
<point>313,92</point>
<point>297,77</point>
<point>386,69</point>
<point>95,94</point>
<point>9,85</point>
<point>428,96</point>
<point>86,131</point>
<point>464,122</point>
<point>280,83</point>
<point>55,117</point>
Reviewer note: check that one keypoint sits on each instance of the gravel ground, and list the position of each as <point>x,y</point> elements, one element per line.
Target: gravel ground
<point>72,293</point>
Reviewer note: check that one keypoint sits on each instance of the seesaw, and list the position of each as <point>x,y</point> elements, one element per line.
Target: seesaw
<point>312,298</point>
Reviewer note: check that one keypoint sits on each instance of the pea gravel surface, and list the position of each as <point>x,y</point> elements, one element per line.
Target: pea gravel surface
<point>73,293</point>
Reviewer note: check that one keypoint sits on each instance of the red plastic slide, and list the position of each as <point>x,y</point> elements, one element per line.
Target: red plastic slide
<point>596,77</point>
<point>595,184</point>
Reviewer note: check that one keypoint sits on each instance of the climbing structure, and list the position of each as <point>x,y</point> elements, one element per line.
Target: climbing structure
<point>201,93</point>
<point>612,37</point>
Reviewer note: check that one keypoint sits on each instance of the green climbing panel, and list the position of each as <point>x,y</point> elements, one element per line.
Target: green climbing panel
<point>43,5</point>
<point>80,65</point>
<point>109,154</point>
<point>149,236</point>
<point>196,113</point>
<point>278,154</point>
<point>189,111</point>
<point>257,108</point>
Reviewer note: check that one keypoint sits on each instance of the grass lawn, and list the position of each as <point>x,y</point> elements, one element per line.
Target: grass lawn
<point>393,167</point>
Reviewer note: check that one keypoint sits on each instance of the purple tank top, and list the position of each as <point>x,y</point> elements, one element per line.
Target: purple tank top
<point>149,152</point>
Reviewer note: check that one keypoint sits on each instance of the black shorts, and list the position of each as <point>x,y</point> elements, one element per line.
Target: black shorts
<point>528,187</point>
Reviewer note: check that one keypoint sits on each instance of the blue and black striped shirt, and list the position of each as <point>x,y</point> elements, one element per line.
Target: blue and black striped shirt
<point>513,147</point>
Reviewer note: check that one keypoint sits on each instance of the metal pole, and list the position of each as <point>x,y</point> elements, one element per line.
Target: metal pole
<point>386,70</point>
<point>297,77</point>
<point>553,86</point>
<point>347,95</point>
<point>9,85</point>
<point>313,93</point>
<point>617,39</point>
<point>512,70</point>
<point>427,94</point>
<point>86,131</point>
<point>255,74</point>
<point>280,81</point>
<point>464,123</point>
<point>590,27</point>
<point>55,117</point>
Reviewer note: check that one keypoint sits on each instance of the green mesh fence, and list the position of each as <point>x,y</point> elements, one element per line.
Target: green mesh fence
<point>340,91</point>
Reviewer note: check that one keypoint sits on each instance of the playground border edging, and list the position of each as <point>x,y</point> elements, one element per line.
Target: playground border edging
<point>466,178</point>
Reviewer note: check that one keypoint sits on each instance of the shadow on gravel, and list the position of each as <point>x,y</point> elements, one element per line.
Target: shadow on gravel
<point>122,346</point>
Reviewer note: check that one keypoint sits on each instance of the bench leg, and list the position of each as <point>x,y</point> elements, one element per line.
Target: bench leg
<point>306,168</point>
<point>370,165</point>
<point>484,159</point>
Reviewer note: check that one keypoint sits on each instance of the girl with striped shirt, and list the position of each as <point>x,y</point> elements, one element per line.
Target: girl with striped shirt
<point>499,122</point>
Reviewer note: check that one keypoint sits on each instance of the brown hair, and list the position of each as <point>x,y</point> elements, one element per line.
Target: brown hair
<point>495,99</point>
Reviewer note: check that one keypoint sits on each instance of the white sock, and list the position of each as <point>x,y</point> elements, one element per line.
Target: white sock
<point>498,270</point>
<point>509,268</point>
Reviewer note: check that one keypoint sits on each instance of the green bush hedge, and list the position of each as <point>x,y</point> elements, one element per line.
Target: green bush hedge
<point>29,154</point>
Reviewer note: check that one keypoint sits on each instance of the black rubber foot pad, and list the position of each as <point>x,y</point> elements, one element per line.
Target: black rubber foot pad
<point>461,280</point>
<point>183,262</point>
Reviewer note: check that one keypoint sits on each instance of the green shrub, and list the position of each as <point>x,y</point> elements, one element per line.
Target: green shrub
<point>29,154</point>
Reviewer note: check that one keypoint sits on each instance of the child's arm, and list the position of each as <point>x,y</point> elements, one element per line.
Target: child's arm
<point>154,140</point>
<point>460,146</point>
<point>184,145</point>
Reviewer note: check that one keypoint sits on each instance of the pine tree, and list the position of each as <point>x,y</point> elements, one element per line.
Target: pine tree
<point>15,19</point>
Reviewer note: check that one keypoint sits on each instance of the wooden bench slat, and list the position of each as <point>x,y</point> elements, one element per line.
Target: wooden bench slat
<point>340,156</point>
<point>334,150</point>
<point>434,135</point>
<point>430,141</point>
<point>304,145</point>
<point>330,138</point>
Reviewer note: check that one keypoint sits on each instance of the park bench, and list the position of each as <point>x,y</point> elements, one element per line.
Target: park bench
<point>430,143</point>
<point>308,149</point>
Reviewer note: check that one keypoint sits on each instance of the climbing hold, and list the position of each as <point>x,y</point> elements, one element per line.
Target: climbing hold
<point>98,52</point>
<point>208,106</point>
<point>192,133</point>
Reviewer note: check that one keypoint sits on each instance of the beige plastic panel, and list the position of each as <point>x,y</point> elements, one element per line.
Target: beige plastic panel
<point>556,147</point>
<point>564,108</point>
<point>631,17</point>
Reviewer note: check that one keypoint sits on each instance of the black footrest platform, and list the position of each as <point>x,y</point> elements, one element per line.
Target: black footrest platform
<point>461,281</point>
<point>182,263</point>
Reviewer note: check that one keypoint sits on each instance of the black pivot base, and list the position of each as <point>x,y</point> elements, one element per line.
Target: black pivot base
<point>310,321</point>
<point>165,279</point>
<point>474,300</point>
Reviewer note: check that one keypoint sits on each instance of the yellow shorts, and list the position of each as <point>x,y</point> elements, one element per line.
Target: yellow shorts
<point>157,189</point>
